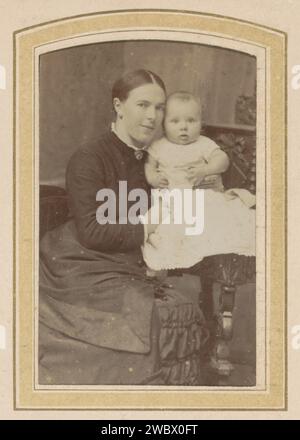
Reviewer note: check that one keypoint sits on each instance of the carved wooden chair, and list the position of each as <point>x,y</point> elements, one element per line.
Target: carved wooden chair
<point>229,270</point>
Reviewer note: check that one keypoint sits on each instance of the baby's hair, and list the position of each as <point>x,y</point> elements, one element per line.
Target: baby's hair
<point>184,96</point>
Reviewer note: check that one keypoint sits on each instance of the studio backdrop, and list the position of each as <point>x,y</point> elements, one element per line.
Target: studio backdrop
<point>75,89</point>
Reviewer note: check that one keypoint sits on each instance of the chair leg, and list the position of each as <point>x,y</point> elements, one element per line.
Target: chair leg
<point>221,352</point>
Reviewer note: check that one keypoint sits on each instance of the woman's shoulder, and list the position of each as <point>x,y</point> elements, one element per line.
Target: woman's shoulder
<point>89,155</point>
<point>94,148</point>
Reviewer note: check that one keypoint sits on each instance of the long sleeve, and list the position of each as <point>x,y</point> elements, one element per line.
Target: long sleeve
<point>88,173</point>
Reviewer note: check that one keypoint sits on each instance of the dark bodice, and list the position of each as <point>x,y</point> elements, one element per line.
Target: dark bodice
<point>102,165</point>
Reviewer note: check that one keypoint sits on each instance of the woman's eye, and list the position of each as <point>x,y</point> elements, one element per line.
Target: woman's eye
<point>142,104</point>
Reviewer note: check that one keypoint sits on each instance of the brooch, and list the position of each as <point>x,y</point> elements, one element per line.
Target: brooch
<point>139,154</point>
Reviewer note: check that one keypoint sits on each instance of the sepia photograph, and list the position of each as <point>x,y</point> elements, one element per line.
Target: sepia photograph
<point>126,127</point>
<point>149,213</point>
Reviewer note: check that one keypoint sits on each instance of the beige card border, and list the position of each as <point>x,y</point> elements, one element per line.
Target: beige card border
<point>25,397</point>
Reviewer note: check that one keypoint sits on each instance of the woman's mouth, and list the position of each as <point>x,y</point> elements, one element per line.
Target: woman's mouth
<point>148,127</point>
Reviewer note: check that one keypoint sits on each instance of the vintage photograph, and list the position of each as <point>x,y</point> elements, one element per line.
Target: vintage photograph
<point>149,208</point>
<point>147,215</point>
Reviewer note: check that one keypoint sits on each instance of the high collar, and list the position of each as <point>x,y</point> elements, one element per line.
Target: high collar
<point>113,129</point>
<point>136,153</point>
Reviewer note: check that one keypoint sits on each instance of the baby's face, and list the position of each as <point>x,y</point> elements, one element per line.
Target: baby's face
<point>182,121</point>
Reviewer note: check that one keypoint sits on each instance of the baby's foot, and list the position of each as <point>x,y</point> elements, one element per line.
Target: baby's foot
<point>158,274</point>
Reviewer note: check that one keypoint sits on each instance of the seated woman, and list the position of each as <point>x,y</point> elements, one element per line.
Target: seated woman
<point>102,320</point>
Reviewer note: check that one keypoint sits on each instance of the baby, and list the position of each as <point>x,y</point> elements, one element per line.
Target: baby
<point>184,159</point>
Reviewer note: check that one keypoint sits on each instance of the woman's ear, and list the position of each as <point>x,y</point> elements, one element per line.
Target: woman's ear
<point>118,107</point>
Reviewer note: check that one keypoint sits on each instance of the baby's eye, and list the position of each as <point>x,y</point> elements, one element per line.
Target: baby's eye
<point>191,120</point>
<point>174,121</point>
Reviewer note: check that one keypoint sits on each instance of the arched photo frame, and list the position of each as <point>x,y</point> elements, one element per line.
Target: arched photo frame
<point>268,46</point>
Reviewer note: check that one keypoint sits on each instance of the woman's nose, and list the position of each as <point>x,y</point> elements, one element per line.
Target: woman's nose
<point>150,112</point>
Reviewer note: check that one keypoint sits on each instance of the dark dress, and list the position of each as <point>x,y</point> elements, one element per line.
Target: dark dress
<point>102,320</point>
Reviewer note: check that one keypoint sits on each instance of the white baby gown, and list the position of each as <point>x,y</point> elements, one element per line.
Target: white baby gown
<point>228,220</point>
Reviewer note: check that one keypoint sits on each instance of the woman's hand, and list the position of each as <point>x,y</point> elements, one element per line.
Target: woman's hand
<point>209,181</point>
<point>161,180</point>
<point>157,179</point>
<point>149,230</point>
<point>154,240</point>
<point>154,175</point>
<point>153,218</point>
<point>196,173</point>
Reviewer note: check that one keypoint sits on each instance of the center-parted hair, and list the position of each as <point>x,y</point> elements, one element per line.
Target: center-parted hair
<point>134,79</point>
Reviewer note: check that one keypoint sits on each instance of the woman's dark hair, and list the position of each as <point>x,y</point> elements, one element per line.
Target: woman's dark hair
<point>132,80</point>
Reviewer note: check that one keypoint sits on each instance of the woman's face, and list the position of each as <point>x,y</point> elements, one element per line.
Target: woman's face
<point>141,114</point>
